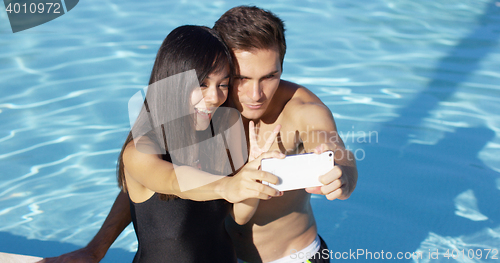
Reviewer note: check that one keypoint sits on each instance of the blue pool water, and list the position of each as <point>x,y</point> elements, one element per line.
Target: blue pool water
<point>414,87</point>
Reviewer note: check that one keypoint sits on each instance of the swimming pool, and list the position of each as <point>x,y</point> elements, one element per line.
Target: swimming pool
<point>413,86</point>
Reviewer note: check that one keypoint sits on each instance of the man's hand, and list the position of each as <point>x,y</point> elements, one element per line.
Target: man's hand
<point>82,255</point>
<point>337,184</point>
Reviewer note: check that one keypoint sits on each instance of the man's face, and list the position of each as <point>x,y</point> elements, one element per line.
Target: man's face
<point>258,80</point>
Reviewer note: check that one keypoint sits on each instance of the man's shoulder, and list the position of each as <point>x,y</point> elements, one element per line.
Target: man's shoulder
<point>298,93</point>
<point>302,102</point>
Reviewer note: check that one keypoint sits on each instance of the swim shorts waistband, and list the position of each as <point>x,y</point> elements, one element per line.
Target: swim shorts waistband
<point>310,250</point>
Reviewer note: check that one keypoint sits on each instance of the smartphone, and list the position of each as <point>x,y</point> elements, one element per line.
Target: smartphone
<point>298,171</point>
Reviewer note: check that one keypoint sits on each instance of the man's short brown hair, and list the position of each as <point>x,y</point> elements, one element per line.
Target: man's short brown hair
<point>250,27</point>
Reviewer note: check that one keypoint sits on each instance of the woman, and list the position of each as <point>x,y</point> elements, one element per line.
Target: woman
<point>168,143</point>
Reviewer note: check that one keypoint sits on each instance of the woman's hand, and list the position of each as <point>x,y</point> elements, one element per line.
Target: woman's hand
<point>255,150</point>
<point>82,255</point>
<point>247,183</point>
<point>244,210</point>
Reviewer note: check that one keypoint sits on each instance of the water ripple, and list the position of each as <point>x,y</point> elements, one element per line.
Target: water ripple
<point>65,87</point>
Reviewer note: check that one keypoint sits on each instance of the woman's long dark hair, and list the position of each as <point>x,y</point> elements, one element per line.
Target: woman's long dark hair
<point>184,49</point>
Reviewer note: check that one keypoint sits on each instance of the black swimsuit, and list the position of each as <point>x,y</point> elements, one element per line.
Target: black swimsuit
<point>181,230</point>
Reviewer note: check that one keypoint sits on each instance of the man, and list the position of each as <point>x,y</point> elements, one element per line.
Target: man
<point>283,225</point>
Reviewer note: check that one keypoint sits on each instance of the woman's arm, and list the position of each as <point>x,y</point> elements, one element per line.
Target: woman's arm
<point>160,176</point>
<point>244,211</point>
<point>117,219</point>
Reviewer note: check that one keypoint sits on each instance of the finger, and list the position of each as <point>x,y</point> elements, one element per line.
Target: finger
<point>271,138</point>
<point>263,189</point>
<point>274,154</point>
<point>343,180</point>
<point>337,171</point>
<point>259,195</point>
<point>317,150</point>
<point>329,188</point>
<point>328,178</point>
<point>336,194</point>
<point>314,190</point>
<point>324,148</point>
<point>321,148</point>
<point>331,176</point>
<point>264,176</point>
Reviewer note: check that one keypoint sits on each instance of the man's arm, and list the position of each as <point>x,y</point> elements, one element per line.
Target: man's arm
<point>340,182</point>
<point>319,134</point>
<point>118,218</point>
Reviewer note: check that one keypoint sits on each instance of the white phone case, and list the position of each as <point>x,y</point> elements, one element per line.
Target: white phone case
<point>298,171</point>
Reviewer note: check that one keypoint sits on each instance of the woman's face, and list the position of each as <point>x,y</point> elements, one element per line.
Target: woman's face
<point>209,96</point>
